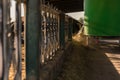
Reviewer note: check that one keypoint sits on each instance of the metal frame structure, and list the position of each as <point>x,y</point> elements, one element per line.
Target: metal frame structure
<point>44,36</point>
<point>50,32</point>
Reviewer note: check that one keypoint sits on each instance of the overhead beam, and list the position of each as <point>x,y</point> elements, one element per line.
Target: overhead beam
<point>68,5</point>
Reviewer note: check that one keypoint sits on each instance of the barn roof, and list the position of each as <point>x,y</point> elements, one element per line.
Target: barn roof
<point>68,5</point>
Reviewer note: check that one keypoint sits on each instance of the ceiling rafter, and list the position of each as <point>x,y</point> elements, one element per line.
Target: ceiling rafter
<point>67,5</point>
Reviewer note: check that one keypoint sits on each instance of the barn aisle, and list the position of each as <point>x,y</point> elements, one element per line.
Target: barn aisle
<point>86,63</point>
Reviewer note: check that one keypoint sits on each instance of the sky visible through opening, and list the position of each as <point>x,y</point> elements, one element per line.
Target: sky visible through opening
<point>12,10</point>
<point>76,15</point>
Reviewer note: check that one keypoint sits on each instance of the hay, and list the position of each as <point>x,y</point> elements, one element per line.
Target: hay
<point>80,37</point>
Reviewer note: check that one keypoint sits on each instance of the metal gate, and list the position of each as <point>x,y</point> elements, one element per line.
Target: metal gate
<point>49,32</point>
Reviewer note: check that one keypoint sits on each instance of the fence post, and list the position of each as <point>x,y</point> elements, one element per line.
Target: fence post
<point>33,27</point>
<point>70,29</point>
<point>62,30</point>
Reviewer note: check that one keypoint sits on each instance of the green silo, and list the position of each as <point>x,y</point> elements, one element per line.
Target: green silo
<point>102,17</point>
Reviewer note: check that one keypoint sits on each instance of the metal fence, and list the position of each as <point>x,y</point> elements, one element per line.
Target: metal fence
<point>50,32</point>
<point>55,30</point>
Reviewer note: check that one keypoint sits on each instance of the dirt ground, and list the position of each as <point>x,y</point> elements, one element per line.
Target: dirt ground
<point>86,63</point>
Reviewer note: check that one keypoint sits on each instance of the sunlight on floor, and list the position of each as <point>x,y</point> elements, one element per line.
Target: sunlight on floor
<point>115,59</point>
<point>79,36</point>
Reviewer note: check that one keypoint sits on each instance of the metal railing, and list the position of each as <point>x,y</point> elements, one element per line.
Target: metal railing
<point>55,30</point>
<point>50,32</point>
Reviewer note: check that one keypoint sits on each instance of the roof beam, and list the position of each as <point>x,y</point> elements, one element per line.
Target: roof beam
<point>68,5</point>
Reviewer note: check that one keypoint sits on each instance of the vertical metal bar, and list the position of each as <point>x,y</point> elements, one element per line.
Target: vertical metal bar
<point>70,29</point>
<point>1,43</point>
<point>62,30</point>
<point>51,31</point>
<point>51,34</point>
<point>47,33</point>
<point>5,74</point>
<point>18,25</point>
<point>24,77</point>
<point>57,25</point>
<point>54,32</point>
<point>33,19</point>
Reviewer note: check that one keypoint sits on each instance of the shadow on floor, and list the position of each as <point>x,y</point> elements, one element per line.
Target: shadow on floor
<point>110,48</point>
<point>85,63</point>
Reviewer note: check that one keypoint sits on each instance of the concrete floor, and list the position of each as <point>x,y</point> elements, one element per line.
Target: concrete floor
<point>97,63</point>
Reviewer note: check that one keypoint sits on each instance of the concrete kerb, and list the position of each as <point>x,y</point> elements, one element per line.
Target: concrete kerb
<point>51,70</point>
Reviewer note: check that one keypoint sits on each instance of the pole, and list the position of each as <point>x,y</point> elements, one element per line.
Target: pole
<point>33,26</point>
<point>62,30</point>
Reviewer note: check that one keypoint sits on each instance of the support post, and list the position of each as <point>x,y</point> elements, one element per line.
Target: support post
<point>62,30</point>
<point>33,27</point>
<point>70,29</point>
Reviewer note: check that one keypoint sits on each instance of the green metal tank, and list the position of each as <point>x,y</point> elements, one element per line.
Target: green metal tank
<point>102,17</point>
